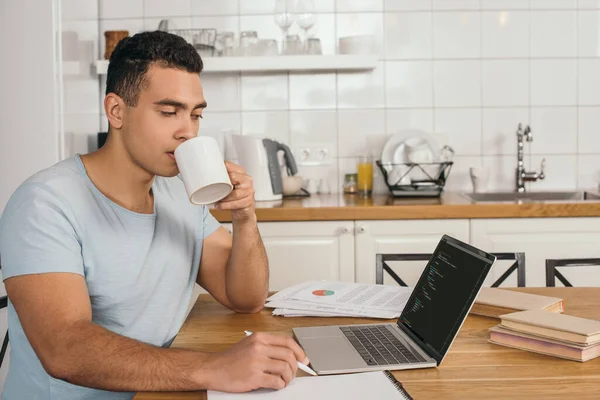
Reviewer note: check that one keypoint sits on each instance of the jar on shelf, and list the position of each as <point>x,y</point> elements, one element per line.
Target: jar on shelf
<point>351,183</point>
<point>111,40</point>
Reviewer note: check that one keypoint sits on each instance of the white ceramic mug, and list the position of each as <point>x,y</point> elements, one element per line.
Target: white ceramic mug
<point>479,178</point>
<point>203,170</point>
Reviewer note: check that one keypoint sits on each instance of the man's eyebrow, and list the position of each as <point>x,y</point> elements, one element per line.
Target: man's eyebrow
<point>171,102</point>
<point>200,105</point>
<point>178,104</point>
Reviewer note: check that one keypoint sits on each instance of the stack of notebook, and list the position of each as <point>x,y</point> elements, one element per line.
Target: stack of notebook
<point>558,335</point>
<point>493,302</point>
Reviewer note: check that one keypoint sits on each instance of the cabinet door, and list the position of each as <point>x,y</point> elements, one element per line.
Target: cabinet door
<point>301,251</point>
<point>540,239</point>
<point>402,236</point>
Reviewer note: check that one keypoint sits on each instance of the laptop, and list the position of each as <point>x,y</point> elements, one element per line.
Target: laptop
<point>422,336</point>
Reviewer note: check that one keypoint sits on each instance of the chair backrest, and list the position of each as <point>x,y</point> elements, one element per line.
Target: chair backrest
<point>4,353</point>
<point>382,259</point>
<point>552,273</point>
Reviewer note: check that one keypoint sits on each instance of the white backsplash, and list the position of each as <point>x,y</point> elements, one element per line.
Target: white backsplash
<point>466,70</point>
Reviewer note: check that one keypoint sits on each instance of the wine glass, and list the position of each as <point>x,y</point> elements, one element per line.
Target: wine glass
<point>284,16</point>
<point>305,16</point>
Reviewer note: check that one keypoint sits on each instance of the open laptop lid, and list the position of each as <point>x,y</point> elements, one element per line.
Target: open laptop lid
<point>444,294</point>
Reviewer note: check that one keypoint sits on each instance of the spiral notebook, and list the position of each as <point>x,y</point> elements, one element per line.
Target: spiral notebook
<point>367,385</point>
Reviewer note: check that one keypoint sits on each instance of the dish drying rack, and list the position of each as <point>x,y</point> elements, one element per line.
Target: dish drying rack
<point>415,180</point>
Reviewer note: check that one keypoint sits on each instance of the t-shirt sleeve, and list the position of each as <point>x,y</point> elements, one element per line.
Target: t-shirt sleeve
<point>37,234</point>
<point>209,223</point>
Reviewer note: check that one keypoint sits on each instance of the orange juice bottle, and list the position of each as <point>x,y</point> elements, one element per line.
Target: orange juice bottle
<point>365,175</point>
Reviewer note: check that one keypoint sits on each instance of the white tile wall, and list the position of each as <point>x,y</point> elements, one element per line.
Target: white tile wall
<point>468,71</point>
<point>456,34</point>
<point>588,34</point>
<point>501,172</point>
<point>263,92</point>
<point>410,34</point>
<point>553,33</point>
<point>555,130</point>
<point>505,83</point>
<point>407,5</point>
<point>211,7</point>
<point>462,126</point>
<point>361,89</point>
<point>359,5</point>
<point>499,130</point>
<point>361,131</point>
<point>312,91</point>
<point>409,84</point>
<point>589,130</point>
<point>505,34</point>
<point>120,9</point>
<point>270,124</point>
<point>457,83</point>
<point>554,82</point>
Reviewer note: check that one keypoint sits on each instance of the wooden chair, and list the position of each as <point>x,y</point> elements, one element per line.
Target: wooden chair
<point>552,273</point>
<point>3,304</point>
<point>382,259</point>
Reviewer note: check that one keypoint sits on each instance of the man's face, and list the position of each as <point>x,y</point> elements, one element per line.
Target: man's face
<point>167,114</point>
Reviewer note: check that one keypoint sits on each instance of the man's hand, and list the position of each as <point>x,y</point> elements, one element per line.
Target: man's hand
<point>241,200</point>
<point>262,360</point>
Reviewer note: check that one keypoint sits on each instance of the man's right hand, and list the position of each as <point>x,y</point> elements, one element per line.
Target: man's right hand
<point>262,360</point>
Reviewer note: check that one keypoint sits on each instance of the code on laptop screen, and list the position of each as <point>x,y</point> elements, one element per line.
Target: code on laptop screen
<point>442,297</point>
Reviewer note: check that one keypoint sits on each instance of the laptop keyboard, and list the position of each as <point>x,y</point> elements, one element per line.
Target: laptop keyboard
<point>377,345</point>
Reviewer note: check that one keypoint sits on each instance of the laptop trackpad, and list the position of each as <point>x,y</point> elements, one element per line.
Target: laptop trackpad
<point>332,353</point>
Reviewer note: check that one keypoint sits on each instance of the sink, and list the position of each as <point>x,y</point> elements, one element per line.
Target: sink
<point>532,197</point>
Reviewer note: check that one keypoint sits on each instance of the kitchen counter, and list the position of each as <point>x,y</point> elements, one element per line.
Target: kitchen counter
<point>338,207</point>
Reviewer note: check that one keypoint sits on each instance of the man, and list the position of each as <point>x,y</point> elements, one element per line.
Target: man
<point>100,253</point>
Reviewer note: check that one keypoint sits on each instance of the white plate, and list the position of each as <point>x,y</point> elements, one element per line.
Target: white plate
<point>393,151</point>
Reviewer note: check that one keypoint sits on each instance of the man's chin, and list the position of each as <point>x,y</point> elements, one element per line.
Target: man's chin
<point>167,173</point>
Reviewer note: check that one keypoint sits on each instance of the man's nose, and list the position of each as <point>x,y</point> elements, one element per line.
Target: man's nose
<point>187,130</point>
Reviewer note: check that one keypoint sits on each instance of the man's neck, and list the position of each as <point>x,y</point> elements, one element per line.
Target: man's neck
<point>117,176</point>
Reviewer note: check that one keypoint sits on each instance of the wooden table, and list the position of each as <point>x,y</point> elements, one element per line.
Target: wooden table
<point>473,369</point>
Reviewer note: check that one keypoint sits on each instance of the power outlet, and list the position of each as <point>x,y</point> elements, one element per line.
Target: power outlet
<point>313,155</point>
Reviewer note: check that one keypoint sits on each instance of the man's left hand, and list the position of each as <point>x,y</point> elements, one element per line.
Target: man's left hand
<point>241,200</point>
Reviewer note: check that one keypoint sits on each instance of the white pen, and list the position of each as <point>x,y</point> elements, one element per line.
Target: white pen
<point>303,367</point>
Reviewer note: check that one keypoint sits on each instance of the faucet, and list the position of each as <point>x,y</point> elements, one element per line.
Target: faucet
<point>522,175</point>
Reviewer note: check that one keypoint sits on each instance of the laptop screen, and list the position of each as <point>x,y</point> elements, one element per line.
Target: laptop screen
<point>444,294</point>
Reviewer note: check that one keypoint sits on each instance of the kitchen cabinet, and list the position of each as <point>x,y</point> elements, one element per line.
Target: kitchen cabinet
<point>346,250</point>
<point>540,239</point>
<point>401,236</point>
<point>301,251</point>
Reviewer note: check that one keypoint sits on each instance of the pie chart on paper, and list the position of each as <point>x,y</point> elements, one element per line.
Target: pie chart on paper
<point>323,292</point>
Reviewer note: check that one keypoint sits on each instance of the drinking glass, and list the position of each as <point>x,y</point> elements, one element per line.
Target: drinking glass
<point>365,175</point>
<point>313,46</point>
<point>267,47</point>
<point>248,43</point>
<point>292,45</point>
<point>305,17</point>
<point>284,17</point>
<point>228,43</point>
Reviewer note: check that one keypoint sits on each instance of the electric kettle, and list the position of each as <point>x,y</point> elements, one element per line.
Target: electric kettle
<point>260,159</point>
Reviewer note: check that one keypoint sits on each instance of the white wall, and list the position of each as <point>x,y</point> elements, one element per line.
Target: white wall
<point>468,70</point>
<point>29,113</point>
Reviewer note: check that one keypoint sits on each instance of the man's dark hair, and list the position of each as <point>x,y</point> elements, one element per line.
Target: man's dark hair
<point>132,57</point>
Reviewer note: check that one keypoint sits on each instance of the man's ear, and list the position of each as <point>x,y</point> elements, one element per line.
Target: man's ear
<point>114,106</point>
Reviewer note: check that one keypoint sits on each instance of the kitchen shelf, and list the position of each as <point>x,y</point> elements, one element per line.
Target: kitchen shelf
<point>362,62</point>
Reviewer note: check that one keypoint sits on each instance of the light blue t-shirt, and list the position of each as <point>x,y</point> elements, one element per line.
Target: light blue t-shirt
<point>140,269</point>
